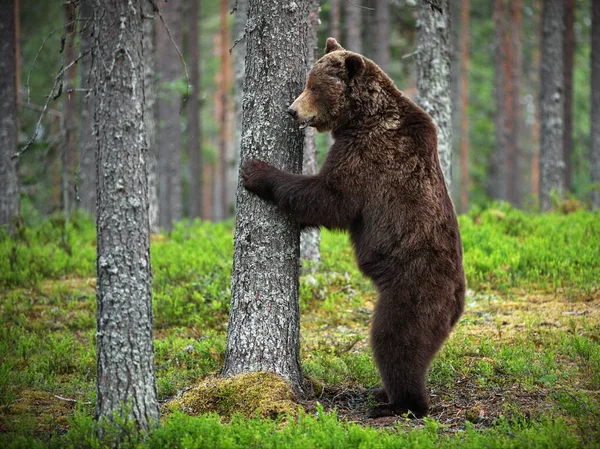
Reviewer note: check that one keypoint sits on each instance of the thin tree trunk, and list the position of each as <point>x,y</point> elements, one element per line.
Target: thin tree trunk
<point>194,136</point>
<point>126,375</point>
<point>264,326</point>
<point>464,93</point>
<point>310,240</point>
<point>369,23</point>
<point>595,112</point>
<point>169,108</point>
<point>150,114</point>
<point>239,54</point>
<point>207,191</point>
<point>568,54</point>
<point>69,147</point>
<point>224,87</point>
<point>87,141</point>
<point>9,186</point>
<point>514,190</point>
<point>334,18</point>
<point>498,162</point>
<point>552,164</point>
<point>353,17</point>
<point>433,77</point>
<point>382,33</point>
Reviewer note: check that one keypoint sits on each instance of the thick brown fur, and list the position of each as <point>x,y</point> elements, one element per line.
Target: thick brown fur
<point>381,181</point>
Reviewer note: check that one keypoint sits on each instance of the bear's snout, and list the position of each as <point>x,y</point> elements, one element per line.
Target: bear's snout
<point>292,112</point>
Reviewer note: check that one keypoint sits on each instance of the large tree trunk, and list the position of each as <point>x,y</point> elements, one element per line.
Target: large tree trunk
<point>194,135</point>
<point>69,147</point>
<point>552,164</point>
<point>87,141</point>
<point>382,33</point>
<point>169,107</point>
<point>310,240</point>
<point>464,95</point>
<point>239,54</point>
<point>433,77</point>
<point>264,326</point>
<point>568,54</point>
<point>595,113</point>
<point>9,184</point>
<point>126,375</point>
<point>353,26</point>
<point>150,114</point>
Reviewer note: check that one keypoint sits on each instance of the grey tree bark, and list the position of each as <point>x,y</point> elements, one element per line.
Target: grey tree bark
<point>353,26</point>
<point>87,141</point>
<point>369,23</point>
<point>150,115</point>
<point>382,33</point>
<point>69,154</point>
<point>595,112</point>
<point>552,163</point>
<point>194,134</point>
<point>334,18</point>
<point>568,55</point>
<point>9,184</point>
<point>264,327</point>
<point>168,113</point>
<point>239,55</point>
<point>434,76</point>
<point>310,240</point>
<point>125,356</point>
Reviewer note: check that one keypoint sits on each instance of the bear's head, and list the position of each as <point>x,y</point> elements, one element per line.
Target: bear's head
<point>327,98</point>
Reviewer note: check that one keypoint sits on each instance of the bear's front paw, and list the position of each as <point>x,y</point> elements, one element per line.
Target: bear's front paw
<point>254,175</point>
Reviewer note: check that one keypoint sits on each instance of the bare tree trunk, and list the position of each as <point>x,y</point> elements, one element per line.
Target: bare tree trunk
<point>310,240</point>
<point>464,94</point>
<point>514,170</point>
<point>552,164</point>
<point>224,88</point>
<point>169,108</point>
<point>239,54</point>
<point>433,77</point>
<point>9,186</point>
<point>334,18</point>
<point>126,375</point>
<point>207,191</point>
<point>264,326</point>
<point>87,141</point>
<point>194,136</point>
<point>150,113</point>
<point>382,33</point>
<point>353,12</point>
<point>568,53</point>
<point>69,147</point>
<point>369,23</point>
<point>497,188</point>
<point>595,113</point>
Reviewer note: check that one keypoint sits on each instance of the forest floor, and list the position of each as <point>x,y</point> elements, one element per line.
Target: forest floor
<point>521,368</point>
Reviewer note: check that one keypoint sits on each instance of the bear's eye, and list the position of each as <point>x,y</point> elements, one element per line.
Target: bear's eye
<point>313,90</point>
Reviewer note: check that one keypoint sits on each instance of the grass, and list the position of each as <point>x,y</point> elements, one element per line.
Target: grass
<point>522,368</point>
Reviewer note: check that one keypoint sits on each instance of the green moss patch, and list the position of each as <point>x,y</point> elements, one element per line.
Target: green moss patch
<point>261,394</point>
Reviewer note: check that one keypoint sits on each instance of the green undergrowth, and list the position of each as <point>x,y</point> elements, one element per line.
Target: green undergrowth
<point>520,370</point>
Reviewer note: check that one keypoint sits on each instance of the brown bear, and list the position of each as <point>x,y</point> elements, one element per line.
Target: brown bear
<point>382,181</point>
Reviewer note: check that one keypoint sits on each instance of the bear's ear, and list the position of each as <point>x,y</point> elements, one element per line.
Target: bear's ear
<point>355,65</point>
<point>332,45</point>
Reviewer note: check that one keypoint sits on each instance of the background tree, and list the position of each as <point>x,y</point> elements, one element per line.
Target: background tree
<point>552,164</point>
<point>568,55</point>
<point>353,25</point>
<point>124,336</point>
<point>310,240</point>
<point>69,147</point>
<point>595,100</point>
<point>9,187</point>
<point>169,71</point>
<point>382,33</point>
<point>433,76</point>
<point>334,18</point>
<point>263,331</point>
<point>464,95</point>
<point>87,141</point>
<point>194,135</point>
<point>515,73</point>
